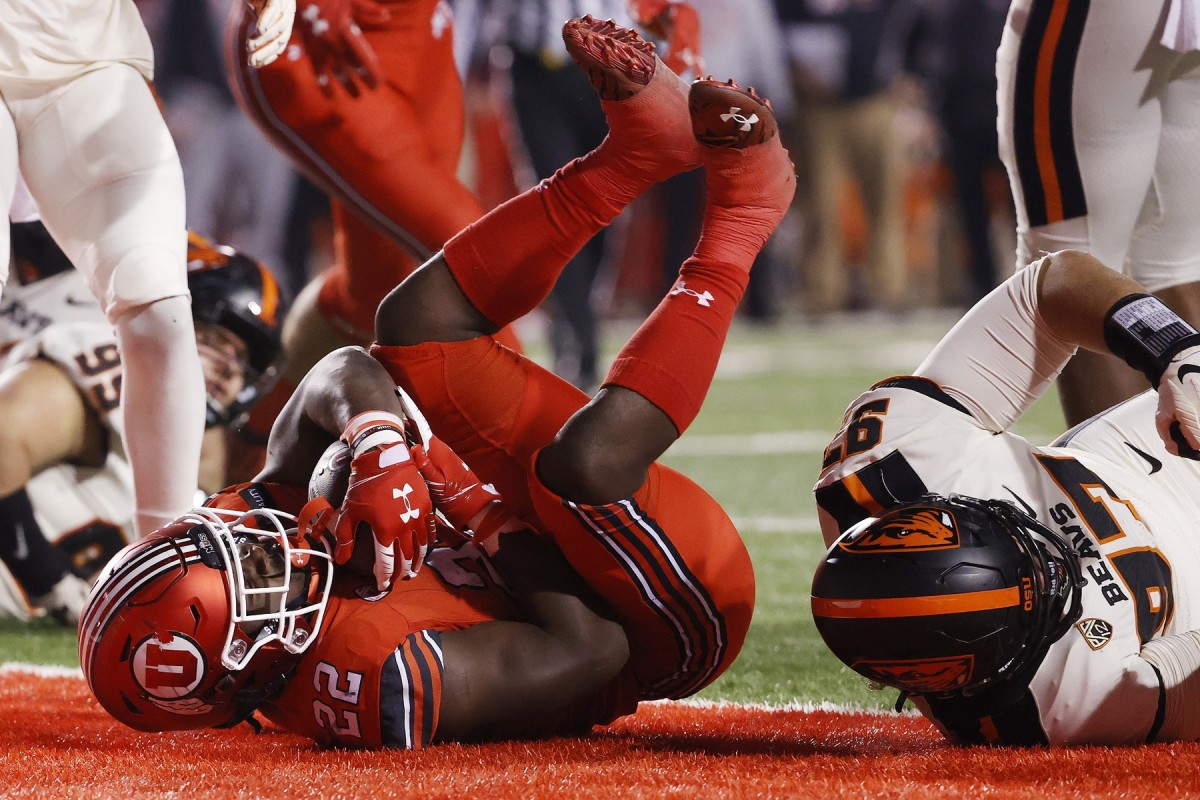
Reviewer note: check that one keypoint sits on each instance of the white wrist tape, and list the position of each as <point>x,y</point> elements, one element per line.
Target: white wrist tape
<point>372,429</point>
<point>1177,659</point>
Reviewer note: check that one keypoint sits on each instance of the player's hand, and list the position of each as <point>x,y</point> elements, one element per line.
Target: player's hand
<point>274,20</point>
<point>1178,417</point>
<point>332,32</point>
<point>388,493</point>
<point>458,493</point>
<point>677,23</point>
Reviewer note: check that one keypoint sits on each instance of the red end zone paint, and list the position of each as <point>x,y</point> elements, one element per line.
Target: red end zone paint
<point>55,741</point>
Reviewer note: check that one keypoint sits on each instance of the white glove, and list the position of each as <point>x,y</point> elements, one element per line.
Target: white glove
<point>1178,416</point>
<point>274,23</point>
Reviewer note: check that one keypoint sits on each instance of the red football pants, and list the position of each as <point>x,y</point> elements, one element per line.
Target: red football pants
<point>667,559</point>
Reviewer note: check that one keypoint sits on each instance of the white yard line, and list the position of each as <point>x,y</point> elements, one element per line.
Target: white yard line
<point>40,670</point>
<point>748,444</point>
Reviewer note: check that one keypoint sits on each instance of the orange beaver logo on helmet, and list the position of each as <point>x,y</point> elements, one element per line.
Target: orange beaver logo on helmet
<point>908,529</point>
<point>920,675</point>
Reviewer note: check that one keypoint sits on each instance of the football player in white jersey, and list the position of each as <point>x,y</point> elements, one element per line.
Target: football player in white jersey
<point>1099,126</point>
<point>79,121</point>
<point>1023,594</point>
<point>66,488</point>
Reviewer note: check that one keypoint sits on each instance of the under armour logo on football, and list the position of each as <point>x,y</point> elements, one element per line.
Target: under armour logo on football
<point>736,115</point>
<point>704,298</point>
<point>410,513</point>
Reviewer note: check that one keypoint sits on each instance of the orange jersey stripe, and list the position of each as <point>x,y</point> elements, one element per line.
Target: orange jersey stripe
<point>1041,114</point>
<point>862,495</point>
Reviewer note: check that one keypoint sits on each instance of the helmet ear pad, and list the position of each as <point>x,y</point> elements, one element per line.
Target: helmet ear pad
<point>934,597</point>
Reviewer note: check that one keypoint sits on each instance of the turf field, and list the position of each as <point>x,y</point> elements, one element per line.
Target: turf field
<point>787,721</point>
<point>776,401</point>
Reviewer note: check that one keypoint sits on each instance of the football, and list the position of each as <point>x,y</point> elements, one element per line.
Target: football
<point>331,475</point>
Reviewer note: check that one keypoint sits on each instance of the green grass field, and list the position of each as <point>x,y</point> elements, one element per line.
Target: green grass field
<point>777,399</point>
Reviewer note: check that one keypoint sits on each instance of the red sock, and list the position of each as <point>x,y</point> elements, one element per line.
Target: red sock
<point>672,358</point>
<point>507,261</point>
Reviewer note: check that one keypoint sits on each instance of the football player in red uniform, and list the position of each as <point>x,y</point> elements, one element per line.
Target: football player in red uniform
<point>368,104</point>
<point>238,607</point>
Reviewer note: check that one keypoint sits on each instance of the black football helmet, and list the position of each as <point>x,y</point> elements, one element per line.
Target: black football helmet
<point>946,596</point>
<point>241,295</point>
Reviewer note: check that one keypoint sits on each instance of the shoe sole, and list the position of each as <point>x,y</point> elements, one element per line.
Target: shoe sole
<point>617,61</point>
<point>726,115</point>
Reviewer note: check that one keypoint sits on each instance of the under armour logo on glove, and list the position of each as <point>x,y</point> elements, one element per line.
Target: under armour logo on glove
<point>383,472</point>
<point>746,123</point>
<point>410,513</point>
<point>704,298</point>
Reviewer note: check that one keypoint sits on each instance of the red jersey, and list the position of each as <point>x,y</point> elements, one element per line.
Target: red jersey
<point>374,677</point>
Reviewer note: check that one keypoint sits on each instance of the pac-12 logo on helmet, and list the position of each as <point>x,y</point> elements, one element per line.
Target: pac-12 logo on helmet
<point>909,529</point>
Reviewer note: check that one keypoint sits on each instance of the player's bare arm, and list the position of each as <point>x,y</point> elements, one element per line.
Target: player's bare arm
<point>343,384</point>
<point>570,648</point>
<point>1084,302</point>
<point>348,396</point>
<point>1076,292</point>
<point>45,421</point>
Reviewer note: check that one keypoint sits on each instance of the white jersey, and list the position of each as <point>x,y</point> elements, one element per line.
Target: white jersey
<point>1128,508</point>
<point>55,40</point>
<point>87,510</point>
<point>30,309</point>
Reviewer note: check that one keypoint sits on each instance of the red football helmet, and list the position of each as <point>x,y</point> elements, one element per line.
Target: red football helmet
<point>200,622</point>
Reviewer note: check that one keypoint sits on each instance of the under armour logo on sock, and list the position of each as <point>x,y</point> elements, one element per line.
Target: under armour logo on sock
<point>734,115</point>
<point>704,298</point>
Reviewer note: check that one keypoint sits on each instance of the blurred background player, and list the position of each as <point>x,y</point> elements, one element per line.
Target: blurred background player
<point>1025,595</point>
<point>81,124</point>
<point>650,543</point>
<point>1100,132</point>
<point>66,491</point>
<point>368,105</point>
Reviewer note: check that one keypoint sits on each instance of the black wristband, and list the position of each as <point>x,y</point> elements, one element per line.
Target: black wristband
<point>1146,335</point>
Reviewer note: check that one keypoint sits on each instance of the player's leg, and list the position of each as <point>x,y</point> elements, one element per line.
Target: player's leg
<point>504,265</point>
<point>8,183</point>
<point>1165,253</point>
<point>658,381</point>
<point>664,554</point>
<point>1080,119</point>
<point>100,162</point>
<point>493,408</point>
<point>387,155</point>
